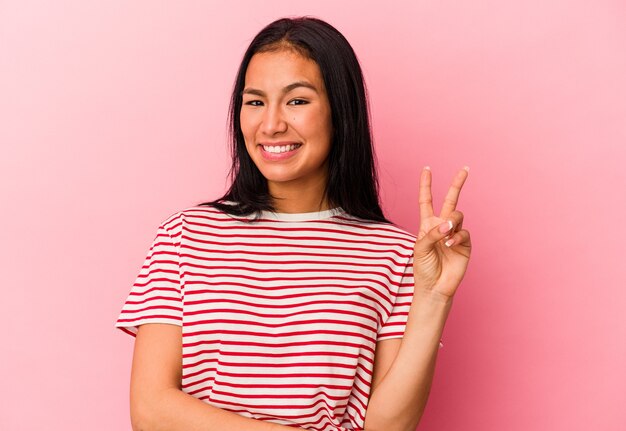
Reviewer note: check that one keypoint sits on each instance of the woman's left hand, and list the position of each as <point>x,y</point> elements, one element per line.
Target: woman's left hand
<point>443,247</point>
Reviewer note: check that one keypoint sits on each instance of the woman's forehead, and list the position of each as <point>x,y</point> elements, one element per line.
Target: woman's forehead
<point>278,69</point>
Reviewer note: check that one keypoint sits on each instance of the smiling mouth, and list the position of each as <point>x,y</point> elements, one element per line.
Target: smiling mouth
<point>278,149</point>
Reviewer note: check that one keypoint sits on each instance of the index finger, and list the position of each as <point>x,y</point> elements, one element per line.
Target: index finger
<point>425,195</point>
<point>452,197</point>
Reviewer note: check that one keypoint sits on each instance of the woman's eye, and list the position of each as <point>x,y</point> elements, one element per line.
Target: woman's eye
<point>253,103</point>
<point>298,102</point>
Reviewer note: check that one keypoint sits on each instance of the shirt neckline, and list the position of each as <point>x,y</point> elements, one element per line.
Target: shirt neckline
<point>310,216</point>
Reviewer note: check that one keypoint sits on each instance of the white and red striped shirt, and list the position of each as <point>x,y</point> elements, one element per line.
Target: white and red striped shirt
<point>280,317</point>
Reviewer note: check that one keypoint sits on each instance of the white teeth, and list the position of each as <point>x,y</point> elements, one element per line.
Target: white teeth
<point>281,149</point>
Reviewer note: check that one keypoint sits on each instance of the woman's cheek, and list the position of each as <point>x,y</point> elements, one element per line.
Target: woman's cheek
<point>246,121</point>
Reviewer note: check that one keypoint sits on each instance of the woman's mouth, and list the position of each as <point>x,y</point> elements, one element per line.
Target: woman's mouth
<point>279,152</point>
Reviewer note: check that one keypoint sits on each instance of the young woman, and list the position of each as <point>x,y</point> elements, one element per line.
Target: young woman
<point>292,301</point>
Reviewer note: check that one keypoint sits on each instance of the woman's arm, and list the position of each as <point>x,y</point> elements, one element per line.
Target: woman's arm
<point>440,257</point>
<point>402,381</point>
<point>156,399</point>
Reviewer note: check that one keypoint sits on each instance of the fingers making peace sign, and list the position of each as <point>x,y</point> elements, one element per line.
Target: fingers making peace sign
<point>443,247</point>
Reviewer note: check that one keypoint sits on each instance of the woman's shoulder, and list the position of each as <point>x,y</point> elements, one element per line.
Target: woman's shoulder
<point>382,230</point>
<point>194,214</point>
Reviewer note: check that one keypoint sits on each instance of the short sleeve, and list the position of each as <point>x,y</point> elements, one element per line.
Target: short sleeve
<point>395,324</point>
<point>156,295</point>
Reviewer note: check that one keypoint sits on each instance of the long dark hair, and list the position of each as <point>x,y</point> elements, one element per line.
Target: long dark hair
<point>352,178</point>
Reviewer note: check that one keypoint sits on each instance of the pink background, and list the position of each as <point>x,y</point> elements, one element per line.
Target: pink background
<point>113,116</point>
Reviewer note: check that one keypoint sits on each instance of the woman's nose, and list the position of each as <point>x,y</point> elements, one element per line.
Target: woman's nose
<point>273,121</point>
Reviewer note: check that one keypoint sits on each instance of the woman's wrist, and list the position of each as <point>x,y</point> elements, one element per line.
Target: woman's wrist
<point>431,297</point>
<point>432,308</point>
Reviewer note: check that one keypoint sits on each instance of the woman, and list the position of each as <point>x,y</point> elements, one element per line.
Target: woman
<point>292,301</point>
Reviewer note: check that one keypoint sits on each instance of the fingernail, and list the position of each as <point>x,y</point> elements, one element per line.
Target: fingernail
<point>466,168</point>
<point>445,227</point>
<point>449,242</point>
<point>427,167</point>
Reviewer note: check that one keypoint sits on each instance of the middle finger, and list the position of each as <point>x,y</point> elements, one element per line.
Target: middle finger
<point>452,197</point>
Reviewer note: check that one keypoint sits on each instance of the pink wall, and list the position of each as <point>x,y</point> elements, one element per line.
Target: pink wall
<point>112,117</point>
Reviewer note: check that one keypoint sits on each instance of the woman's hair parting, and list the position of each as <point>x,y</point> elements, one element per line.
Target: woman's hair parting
<point>352,177</point>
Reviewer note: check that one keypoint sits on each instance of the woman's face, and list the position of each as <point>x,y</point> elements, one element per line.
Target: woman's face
<point>286,120</point>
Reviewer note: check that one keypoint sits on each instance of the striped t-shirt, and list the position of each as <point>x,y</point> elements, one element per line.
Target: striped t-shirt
<point>280,316</point>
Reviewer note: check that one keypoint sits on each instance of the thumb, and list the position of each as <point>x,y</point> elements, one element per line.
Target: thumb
<point>435,235</point>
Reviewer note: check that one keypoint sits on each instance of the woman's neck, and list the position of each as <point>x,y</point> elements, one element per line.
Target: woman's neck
<point>300,199</point>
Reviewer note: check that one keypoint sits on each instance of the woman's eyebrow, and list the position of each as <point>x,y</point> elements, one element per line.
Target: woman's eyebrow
<point>286,89</point>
